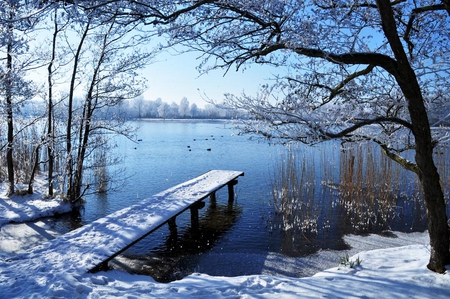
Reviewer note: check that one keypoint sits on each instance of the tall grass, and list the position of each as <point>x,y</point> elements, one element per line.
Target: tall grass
<point>294,192</point>
<point>30,149</point>
<point>372,187</point>
<point>364,191</point>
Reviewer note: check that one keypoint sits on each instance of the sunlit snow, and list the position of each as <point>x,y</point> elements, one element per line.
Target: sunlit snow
<point>397,272</point>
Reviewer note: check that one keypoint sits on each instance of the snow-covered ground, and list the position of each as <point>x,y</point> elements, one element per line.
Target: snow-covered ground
<point>395,272</point>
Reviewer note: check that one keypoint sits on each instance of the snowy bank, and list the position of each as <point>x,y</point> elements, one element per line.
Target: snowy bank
<point>386,273</point>
<point>398,272</point>
<point>21,208</point>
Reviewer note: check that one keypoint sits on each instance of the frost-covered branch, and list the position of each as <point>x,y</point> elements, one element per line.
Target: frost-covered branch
<point>399,159</point>
<point>366,122</point>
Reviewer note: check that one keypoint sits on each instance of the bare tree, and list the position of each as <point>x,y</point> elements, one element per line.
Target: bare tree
<point>139,105</point>
<point>56,60</point>
<point>70,114</point>
<point>16,20</point>
<point>358,70</point>
<point>193,110</point>
<point>106,67</point>
<point>111,63</point>
<point>8,79</point>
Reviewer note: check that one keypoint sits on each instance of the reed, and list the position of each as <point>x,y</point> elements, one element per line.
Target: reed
<point>367,187</point>
<point>364,191</point>
<point>294,192</point>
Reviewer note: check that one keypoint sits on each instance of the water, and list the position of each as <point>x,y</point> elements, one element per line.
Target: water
<point>171,152</point>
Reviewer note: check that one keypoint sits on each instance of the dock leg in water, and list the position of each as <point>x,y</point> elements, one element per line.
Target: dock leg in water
<point>172,226</point>
<point>213,200</point>
<point>194,214</point>
<point>172,241</point>
<point>231,191</point>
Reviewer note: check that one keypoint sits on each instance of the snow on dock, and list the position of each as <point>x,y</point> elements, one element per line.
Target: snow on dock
<point>90,247</point>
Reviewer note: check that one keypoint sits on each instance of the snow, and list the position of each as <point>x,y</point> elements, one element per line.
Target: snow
<point>19,208</point>
<point>29,270</point>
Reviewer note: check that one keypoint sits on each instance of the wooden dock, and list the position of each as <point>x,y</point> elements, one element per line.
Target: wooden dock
<point>89,248</point>
<point>168,204</point>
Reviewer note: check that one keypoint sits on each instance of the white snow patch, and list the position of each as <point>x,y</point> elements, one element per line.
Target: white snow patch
<point>398,272</point>
<point>21,208</point>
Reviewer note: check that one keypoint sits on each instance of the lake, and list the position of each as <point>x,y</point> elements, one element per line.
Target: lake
<point>293,200</point>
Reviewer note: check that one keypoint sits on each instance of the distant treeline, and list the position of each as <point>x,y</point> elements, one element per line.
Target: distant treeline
<point>143,108</point>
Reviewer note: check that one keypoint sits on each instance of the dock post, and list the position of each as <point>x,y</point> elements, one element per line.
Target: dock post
<point>194,214</point>
<point>173,238</point>
<point>231,191</point>
<point>172,226</point>
<point>212,199</point>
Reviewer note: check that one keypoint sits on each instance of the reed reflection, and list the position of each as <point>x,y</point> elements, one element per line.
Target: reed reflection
<point>317,198</point>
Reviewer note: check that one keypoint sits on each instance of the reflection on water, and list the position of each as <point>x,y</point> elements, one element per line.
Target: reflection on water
<point>314,207</point>
<point>178,255</point>
<point>66,222</point>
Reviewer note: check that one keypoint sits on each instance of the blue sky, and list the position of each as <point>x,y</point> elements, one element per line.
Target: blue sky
<point>172,77</point>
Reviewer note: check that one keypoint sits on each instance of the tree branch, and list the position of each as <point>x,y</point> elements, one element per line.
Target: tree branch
<point>408,165</point>
<point>371,59</point>
<point>409,26</point>
<point>338,89</point>
<point>366,122</point>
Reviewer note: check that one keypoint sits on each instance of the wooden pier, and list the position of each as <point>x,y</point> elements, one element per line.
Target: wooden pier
<point>90,247</point>
<point>185,196</point>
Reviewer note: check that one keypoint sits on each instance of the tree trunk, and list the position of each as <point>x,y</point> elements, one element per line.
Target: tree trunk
<point>428,174</point>
<point>9,116</point>
<point>34,170</point>
<point>437,220</point>
<point>432,189</point>
<point>83,143</point>
<point>70,184</point>
<point>50,128</point>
